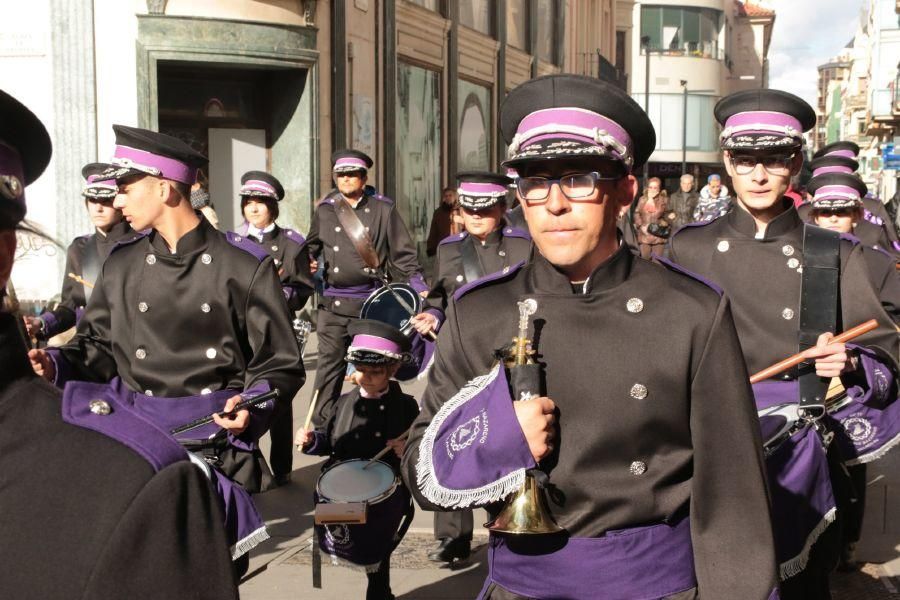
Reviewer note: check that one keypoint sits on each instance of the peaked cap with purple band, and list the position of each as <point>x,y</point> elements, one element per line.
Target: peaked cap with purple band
<point>144,152</point>
<point>481,189</point>
<point>344,161</point>
<point>763,119</point>
<point>25,151</point>
<point>836,190</point>
<point>832,163</point>
<point>376,343</point>
<point>842,148</point>
<point>573,116</point>
<point>96,186</point>
<point>260,184</point>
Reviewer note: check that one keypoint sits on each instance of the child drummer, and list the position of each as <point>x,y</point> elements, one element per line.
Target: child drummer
<point>365,421</point>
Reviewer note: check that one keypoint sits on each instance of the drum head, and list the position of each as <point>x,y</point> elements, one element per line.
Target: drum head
<point>383,306</point>
<point>348,482</point>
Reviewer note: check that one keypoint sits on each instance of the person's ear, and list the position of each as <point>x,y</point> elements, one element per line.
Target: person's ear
<point>626,190</point>
<point>729,168</point>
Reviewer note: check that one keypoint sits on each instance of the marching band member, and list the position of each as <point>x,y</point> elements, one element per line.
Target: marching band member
<point>85,255</point>
<point>777,273</point>
<point>654,462</point>
<point>97,502</point>
<point>375,414</point>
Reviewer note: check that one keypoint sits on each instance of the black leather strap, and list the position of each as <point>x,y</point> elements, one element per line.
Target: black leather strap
<point>469,256</point>
<point>356,231</point>
<point>819,295</point>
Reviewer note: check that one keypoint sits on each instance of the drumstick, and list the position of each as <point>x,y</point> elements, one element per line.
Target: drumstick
<point>249,402</point>
<point>796,359</point>
<point>386,449</point>
<point>403,303</point>
<point>312,407</point>
<point>81,280</point>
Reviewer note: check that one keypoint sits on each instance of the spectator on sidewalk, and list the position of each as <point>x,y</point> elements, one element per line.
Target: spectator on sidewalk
<point>714,200</point>
<point>684,201</point>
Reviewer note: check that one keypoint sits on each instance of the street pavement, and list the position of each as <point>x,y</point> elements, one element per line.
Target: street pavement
<point>280,568</point>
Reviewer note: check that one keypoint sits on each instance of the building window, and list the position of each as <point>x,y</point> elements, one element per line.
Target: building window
<point>517,23</point>
<point>476,14</point>
<point>474,127</point>
<point>418,153</point>
<point>682,31</point>
<point>548,13</point>
<point>665,112</point>
<point>434,5</point>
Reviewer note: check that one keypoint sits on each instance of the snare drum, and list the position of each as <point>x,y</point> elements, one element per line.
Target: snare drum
<point>388,501</point>
<point>383,306</point>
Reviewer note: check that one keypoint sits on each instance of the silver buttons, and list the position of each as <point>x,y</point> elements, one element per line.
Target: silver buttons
<point>459,278</point>
<point>10,187</point>
<point>205,259</point>
<point>638,391</point>
<point>274,248</point>
<point>143,306</point>
<point>638,467</point>
<point>211,353</point>
<point>502,253</point>
<point>377,434</point>
<point>140,353</point>
<point>337,302</point>
<point>367,209</point>
<point>462,234</point>
<point>290,232</point>
<point>723,246</point>
<point>337,229</point>
<point>205,307</point>
<point>381,407</point>
<point>508,230</point>
<point>277,262</point>
<point>793,263</point>
<point>205,391</point>
<point>787,314</point>
<point>237,238</point>
<point>634,305</point>
<point>151,259</point>
<point>336,270</point>
<point>99,407</point>
<point>148,393</point>
<point>787,250</point>
<point>336,248</point>
<point>506,269</point>
<point>367,227</point>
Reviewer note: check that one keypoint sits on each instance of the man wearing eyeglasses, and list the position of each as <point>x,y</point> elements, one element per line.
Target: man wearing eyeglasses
<point>656,497</point>
<point>792,289</point>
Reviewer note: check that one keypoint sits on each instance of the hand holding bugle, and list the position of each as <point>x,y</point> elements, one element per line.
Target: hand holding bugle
<point>242,405</point>
<point>796,359</point>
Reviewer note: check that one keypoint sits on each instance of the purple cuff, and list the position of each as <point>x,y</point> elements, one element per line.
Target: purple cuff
<point>437,314</point>
<point>319,445</point>
<point>51,325</point>
<point>473,451</point>
<point>63,371</point>
<point>417,282</point>
<point>259,418</point>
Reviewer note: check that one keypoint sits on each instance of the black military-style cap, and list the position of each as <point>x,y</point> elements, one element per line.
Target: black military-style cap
<point>144,152</point>
<point>832,163</point>
<point>836,190</point>
<point>346,160</point>
<point>25,151</point>
<point>376,343</point>
<point>842,148</point>
<point>763,119</point>
<point>478,190</point>
<point>261,184</point>
<point>566,116</point>
<point>97,186</point>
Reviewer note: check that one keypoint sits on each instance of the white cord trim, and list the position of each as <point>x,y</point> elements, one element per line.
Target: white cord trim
<point>426,478</point>
<point>248,543</point>
<point>791,567</point>
<point>130,164</point>
<point>600,136</point>
<point>761,128</point>
<point>875,455</point>
<point>387,353</point>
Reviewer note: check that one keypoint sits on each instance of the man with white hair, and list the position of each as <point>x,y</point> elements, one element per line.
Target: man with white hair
<point>684,201</point>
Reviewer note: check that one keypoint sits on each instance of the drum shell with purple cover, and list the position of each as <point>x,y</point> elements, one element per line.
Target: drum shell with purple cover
<point>367,544</point>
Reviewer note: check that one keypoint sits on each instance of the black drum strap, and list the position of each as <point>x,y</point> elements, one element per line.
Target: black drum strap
<point>469,255</point>
<point>819,294</point>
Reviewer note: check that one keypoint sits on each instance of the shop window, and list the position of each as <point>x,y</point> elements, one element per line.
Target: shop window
<point>474,127</point>
<point>476,14</point>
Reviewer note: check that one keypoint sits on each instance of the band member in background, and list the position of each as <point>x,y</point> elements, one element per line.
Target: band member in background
<point>653,453</point>
<point>260,194</point>
<point>757,253</point>
<point>488,245</point>
<point>189,319</point>
<point>338,240</point>
<point>85,255</point>
<point>372,416</point>
<point>87,511</point>
<point>441,220</point>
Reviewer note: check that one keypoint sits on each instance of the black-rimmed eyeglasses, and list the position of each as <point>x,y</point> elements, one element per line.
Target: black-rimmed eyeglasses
<point>575,187</point>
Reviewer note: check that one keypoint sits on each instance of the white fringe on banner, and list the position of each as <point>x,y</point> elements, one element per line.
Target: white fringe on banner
<point>873,456</point>
<point>426,479</point>
<point>248,543</point>
<point>791,567</point>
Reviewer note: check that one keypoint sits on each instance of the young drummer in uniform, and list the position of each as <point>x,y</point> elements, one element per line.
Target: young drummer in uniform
<point>653,456</point>
<point>488,245</point>
<point>372,416</point>
<point>260,194</point>
<point>757,254</point>
<point>85,255</point>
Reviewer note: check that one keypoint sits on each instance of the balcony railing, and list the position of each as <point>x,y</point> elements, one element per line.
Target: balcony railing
<point>691,49</point>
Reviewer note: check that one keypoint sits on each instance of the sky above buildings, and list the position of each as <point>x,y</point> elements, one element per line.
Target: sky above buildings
<point>807,33</point>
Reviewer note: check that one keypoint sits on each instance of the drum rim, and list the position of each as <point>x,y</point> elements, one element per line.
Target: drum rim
<point>375,500</point>
<point>414,299</point>
<point>772,445</point>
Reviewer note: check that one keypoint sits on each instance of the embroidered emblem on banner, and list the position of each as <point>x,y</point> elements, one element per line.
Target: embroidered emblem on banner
<point>465,435</point>
<point>860,430</point>
<point>338,535</point>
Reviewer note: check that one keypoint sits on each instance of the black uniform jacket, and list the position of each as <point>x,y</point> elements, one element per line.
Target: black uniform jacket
<point>284,245</point>
<point>762,278</point>
<point>360,426</point>
<point>501,249</point>
<point>84,516</point>
<point>207,317</point>
<point>86,250</point>
<point>347,284</point>
<point>658,389</point>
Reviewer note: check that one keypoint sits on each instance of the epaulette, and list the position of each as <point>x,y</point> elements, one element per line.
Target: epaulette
<point>851,238</point>
<point>516,233</point>
<point>498,276</point>
<point>240,241</point>
<point>452,239</point>
<point>101,408</point>
<point>128,241</point>
<point>676,268</point>
<point>293,235</point>
<point>872,217</point>
<point>373,193</point>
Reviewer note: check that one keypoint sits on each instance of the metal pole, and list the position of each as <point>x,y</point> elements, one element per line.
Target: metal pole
<point>684,130</point>
<point>645,41</point>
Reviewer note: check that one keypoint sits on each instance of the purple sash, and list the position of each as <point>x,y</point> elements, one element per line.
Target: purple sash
<point>642,563</point>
